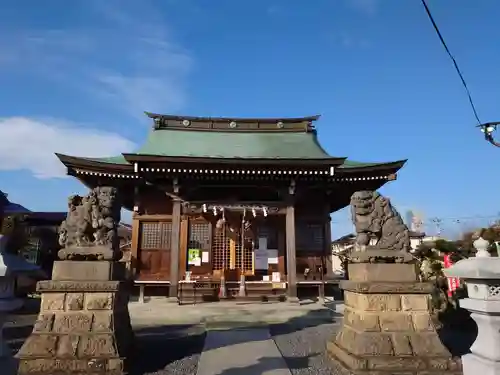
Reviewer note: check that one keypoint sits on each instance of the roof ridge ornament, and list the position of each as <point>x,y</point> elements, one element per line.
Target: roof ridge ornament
<point>243,124</point>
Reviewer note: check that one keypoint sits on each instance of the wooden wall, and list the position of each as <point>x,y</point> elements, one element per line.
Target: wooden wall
<point>312,249</point>
<point>155,202</point>
<point>151,236</point>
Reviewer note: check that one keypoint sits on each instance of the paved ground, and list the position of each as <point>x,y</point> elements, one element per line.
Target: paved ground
<point>274,338</point>
<point>244,351</point>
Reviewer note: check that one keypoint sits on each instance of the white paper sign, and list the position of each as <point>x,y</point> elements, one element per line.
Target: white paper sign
<point>272,256</point>
<point>205,258</point>
<point>261,256</point>
<point>276,277</point>
<point>196,262</point>
<point>261,259</point>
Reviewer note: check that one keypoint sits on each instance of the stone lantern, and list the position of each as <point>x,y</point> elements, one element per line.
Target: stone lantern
<point>11,266</point>
<point>482,276</point>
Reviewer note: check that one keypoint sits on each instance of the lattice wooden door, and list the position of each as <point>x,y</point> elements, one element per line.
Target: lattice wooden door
<point>154,250</point>
<point>221,253</point>
<point>244,255</point>
<point>229,253</point>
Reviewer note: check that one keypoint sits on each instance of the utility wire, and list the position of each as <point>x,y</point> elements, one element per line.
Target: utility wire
<point>440,36</point>
<point>433,221</point>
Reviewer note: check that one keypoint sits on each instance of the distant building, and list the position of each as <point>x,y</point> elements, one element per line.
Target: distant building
<point>42,244</point>
<point>345,244</point>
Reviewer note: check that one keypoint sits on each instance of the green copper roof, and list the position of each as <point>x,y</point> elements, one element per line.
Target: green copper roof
<point>357,164</point>
<point>110,160</point>
<point>248,145</point>
<point>231,145</point>
<point>285,145</point>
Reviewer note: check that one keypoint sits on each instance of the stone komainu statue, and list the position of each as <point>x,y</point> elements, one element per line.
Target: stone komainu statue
<point>92,222</point>
<point>374,216</point>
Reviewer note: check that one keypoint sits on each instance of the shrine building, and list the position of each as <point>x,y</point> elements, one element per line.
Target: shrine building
<point>231,207</point>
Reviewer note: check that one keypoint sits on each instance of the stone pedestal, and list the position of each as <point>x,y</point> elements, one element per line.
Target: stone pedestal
<point>387,326</point>
<point>482,275</point>
<point>7,304</point>
<point>84,323</point>
<point>11,266</point>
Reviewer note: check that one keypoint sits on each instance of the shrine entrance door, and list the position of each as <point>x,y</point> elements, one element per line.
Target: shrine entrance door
<point>229,252</point>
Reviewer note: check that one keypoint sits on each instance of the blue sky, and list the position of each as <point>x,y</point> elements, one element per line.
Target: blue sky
<point>75,79</point>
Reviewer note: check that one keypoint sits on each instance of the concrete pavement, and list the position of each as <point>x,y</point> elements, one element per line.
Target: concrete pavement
<point>238,340</point>
<point>159,311</point>
<point>241,351</point>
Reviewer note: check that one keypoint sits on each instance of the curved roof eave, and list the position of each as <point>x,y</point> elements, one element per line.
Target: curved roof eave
<point>116,163</point>
<point>127,203</point>
<point>341,201</point>
<point>369,167</point>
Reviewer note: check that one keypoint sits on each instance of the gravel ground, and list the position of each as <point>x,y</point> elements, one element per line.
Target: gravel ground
<point>159,350</point>
<point>303,346</point>
<point>168,350</point>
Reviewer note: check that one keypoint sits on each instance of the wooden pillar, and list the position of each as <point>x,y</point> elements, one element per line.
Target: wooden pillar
<point>291,261</point>
<point>135,241</point>
<point>134,247</point>
<point>174,247</point>
<point>175,242</point>
<point>328,246</point>
<point>183,245</point>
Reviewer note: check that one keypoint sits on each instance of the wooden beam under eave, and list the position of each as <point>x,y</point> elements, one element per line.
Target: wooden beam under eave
<point>392,177</point>
<point>122,186</point>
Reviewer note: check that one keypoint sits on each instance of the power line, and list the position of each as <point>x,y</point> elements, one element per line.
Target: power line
<point>440,36</point>
<point>434,220</point>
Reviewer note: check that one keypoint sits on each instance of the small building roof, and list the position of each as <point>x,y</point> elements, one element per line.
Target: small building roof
<point>12,208</point>
<point>15,208</point>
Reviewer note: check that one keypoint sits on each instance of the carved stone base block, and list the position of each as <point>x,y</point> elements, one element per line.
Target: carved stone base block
<point>387,326</point>
<point>83,327</point>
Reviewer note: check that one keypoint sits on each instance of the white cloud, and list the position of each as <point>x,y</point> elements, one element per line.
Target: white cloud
<point>348,40</point>
<point>119,51</point>
<point>29,144</point>
<point>367,7</point>
<point>274,9</point>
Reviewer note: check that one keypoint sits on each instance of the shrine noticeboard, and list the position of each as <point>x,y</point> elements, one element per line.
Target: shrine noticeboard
<point>194,257</point>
